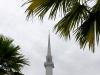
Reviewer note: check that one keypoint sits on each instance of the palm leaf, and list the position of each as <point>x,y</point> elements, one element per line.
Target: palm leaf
<point>41,7</point>
<point>89,31</point>
<point>77,14</point>
<point>10,59</point>
<point>85,33</point>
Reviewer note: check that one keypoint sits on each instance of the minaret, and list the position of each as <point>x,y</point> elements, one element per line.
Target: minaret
<point>49,64</point>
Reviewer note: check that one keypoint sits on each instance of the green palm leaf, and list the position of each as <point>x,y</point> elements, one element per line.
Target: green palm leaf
<point>77,15</point>
<point>41,7</point>
<point>11,60</point>
<point>85,33</point>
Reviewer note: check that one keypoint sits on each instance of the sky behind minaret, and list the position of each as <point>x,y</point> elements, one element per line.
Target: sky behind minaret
<point>32,36</point>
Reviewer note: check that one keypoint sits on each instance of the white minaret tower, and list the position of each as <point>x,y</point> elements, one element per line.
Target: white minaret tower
<point>49,64</point>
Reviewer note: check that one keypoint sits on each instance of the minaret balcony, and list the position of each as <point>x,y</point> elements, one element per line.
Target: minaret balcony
<point>49,64</point>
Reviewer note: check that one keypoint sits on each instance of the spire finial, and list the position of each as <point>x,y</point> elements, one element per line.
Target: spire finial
<point>49,46</point>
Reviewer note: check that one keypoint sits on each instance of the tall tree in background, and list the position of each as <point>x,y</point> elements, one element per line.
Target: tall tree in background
<point>11,61</point>
<point>78,16</point>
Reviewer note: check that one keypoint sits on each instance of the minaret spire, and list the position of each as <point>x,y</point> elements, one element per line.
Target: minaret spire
<point>49,46</point>
<point>49,65</point>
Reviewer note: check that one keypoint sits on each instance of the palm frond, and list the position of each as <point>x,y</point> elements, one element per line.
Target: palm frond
<point>86,33</point>
<point>41,7</point>
<point>35,6</point>
<point>18,73</point>
<point>77,14</point>
<point>10,59</point>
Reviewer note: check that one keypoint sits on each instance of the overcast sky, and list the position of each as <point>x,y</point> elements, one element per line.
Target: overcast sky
<point>32,37</point>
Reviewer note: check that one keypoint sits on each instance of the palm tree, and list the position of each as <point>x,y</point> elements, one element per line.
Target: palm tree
<point>11,61</point>
<point>78,16</point>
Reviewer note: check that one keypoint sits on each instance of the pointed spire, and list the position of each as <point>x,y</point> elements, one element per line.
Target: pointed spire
<point>49,46</point>
<point>49,62</point>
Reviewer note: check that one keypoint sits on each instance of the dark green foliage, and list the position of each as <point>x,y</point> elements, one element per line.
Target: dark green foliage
<point>11,61</point>
<point>79,17</point>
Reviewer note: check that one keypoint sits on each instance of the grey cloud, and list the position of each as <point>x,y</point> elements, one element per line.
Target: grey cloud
<point>33,36</point>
